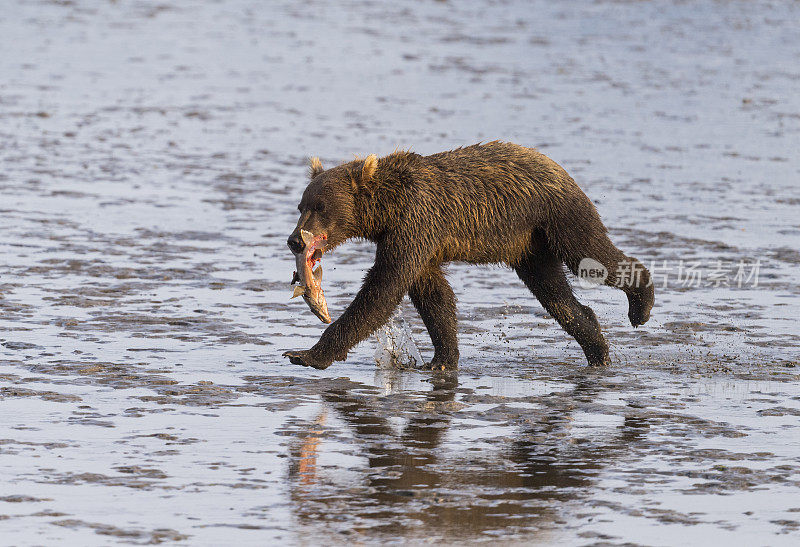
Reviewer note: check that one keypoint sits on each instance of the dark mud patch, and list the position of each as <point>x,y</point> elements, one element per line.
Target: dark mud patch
<point>140,537</point>
<point>6,392</point>
<point>21,498</point>
<point>129,479</point>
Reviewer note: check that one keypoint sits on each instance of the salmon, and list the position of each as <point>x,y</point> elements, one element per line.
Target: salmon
<point>310,287</point>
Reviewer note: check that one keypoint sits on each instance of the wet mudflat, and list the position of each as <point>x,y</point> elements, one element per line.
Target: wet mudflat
<point>152,158</point>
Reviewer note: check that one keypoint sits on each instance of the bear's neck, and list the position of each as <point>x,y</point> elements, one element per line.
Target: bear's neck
<point>372,217</point>
<point>381,208</point>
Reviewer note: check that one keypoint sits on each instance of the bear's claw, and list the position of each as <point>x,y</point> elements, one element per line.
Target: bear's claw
<point>439,365</point>
<point>304,358</point>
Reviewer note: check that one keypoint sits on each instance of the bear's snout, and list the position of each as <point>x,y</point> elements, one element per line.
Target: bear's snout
<point>295,243</point>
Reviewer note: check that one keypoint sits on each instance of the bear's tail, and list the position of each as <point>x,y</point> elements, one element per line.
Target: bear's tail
<point>578,237</point>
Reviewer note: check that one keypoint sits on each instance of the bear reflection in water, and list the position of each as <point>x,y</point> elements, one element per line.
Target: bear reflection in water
<point>417,482</point>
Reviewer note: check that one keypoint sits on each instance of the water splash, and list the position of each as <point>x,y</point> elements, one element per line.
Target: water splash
<point>396,347</point>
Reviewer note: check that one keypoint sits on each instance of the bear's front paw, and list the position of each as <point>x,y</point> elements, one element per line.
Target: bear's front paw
<point>305,359</point>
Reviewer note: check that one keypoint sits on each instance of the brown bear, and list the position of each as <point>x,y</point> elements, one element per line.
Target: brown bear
<point>482,204</point>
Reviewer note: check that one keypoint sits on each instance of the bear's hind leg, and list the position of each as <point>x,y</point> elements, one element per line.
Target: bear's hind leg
<point>543,273</point>
<point>434,299</point>
<point>574,243</point>
<point>625,273</point>
<point>575,232</point>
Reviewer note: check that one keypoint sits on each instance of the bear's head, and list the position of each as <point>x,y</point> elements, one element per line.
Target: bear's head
<point>333,201</point>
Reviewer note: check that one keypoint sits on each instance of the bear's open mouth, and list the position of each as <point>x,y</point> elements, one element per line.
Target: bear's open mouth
<point>315,256</point>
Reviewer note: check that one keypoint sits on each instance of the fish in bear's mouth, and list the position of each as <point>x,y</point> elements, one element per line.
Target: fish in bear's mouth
<point>310,287</point>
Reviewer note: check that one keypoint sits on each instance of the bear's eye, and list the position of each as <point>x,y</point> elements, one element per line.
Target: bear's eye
<point>319,207</point>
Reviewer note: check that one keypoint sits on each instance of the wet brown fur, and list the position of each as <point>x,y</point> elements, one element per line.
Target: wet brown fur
<point>482,204</point>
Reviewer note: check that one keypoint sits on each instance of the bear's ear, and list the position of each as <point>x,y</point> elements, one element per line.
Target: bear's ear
<point>368,170</point>
<point>361,175</point>
<point>314,167</point>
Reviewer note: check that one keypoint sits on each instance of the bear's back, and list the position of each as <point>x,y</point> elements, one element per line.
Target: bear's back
<point>490,197</point>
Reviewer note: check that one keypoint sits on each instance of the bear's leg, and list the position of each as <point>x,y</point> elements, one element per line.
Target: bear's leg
<point>385,285</point>
<point>543,273</point>
<point>434,299</point>
<point>625,273</point>
<point>576,232</point>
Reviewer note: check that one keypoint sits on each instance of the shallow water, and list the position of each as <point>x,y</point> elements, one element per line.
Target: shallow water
<point>152,158</point>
